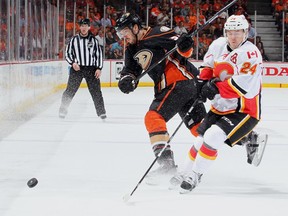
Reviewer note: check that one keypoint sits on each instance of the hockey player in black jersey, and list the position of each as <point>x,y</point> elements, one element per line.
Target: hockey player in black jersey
<point>175,86</point>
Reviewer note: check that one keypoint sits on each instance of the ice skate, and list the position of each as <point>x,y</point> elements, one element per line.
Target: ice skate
<point>166,168</point>
<point>255,146</point>
<point>190,182</point>
<point>176,180</point>
<point>62,112</point>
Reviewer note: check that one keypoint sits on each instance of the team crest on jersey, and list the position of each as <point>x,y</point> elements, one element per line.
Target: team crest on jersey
<point>90,45</point>
<point>164,29</point>
<point>144,58</point>
<point>223,70</point>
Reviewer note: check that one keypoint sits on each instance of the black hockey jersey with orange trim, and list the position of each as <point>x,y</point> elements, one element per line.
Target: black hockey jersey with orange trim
<point>152,48</point>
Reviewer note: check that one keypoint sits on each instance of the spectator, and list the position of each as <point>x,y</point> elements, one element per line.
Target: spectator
<point>109,38</point>
<point>163,19</point>
<point>251,32</point>
<point>155,11</point>
<point>218,31</point>
<point>100,38</point>
<point>217,6</point>
<point>185,11</point>
<point>117,54</point>
<point>188,24</point>
<point>260,46</point>
<point>95,22</point>
<point>113,19</point>
<point>117,45</point>
<point>105,21</point>
<point>180,29</point>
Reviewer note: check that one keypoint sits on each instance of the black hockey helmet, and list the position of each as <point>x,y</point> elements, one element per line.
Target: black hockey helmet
<point>128,20</point>
<point>85,21</point>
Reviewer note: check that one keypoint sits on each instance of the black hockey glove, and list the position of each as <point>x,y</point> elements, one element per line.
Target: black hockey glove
<point>209,90</point>
<point>200,83</point>
<point>184,43</point>
<point>127,83</point>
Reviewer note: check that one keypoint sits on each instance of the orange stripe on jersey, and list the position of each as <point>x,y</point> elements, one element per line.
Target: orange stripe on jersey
<point>182,69</point>
<point>235,129</point>
<point>168,93</point>
<point>193,130</point>
<point>186,54</point>
<point>214,110</point>
<point>192,153</point>
<point>171,75</point>
<point>229,81</point>
<point>242,104</point>
<point>251,106</point>
<point>174,72</point>
<point>207,153</point>
<point>156,35</point>
<point>248,106</point>
<point>227,90</point>
<point>147,32</point>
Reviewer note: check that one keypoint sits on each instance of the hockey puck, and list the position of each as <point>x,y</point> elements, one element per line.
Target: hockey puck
<point>32,182</point>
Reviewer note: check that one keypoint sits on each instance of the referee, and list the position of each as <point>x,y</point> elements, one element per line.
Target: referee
<point>84,54</point>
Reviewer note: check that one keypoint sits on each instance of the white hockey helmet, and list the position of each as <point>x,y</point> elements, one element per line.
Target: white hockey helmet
<point>237,22</point>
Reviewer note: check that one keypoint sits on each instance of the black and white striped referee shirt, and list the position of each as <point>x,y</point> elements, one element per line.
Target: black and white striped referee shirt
<point>85,51</point>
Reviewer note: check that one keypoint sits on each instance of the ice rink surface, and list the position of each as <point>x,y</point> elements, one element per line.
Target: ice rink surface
<point>85,166</point>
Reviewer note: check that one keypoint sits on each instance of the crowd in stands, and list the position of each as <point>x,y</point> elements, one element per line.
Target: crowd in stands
<point>280,13</point>
<point>186,15</point>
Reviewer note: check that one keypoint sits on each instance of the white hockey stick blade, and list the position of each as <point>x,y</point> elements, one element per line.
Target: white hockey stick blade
<point>262,140</point>
<point>126,198</point>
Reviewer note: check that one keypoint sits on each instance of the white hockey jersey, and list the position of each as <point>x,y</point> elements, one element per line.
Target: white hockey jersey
<point>240,72</point>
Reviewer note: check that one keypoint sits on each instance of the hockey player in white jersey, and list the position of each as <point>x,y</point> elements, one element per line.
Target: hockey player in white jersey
<point>231,71</point>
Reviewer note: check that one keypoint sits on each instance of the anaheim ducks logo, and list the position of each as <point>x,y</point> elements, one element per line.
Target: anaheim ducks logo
<point>144,58</point>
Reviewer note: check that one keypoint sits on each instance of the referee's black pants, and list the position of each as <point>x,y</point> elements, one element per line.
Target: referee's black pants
<point>74,81</point>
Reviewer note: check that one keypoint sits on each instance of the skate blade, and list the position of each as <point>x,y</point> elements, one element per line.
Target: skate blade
<point>263,138</point>
<point>183,191</point>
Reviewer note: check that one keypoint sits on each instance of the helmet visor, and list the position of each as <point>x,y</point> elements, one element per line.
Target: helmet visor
<point>122,33</point>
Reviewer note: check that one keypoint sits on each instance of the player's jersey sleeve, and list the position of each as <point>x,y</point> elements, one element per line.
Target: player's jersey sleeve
<point>213,53</point>
<point>161,37</point>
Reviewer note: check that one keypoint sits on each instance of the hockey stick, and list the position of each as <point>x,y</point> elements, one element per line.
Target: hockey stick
<point>191,34</point>
<point>127,196</point>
